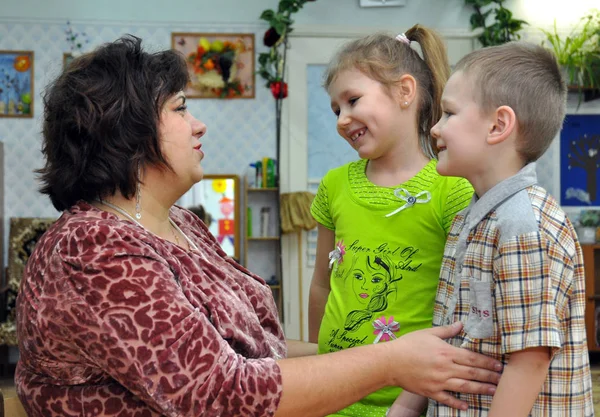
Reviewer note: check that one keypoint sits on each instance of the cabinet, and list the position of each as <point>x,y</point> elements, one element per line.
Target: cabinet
<point>262,238</point>
<point>591,259</point>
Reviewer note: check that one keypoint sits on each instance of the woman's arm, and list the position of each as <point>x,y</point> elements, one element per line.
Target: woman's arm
<point>420,362</point>
<point>521,382</point>
<point>319,286</point>
<point>298,348</point>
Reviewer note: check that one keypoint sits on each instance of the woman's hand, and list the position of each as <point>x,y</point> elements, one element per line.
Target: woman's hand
<point>431,367</point>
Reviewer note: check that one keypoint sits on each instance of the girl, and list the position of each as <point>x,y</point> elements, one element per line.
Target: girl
<point>391,204</point>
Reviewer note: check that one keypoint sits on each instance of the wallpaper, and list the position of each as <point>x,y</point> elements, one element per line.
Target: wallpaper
<point>239,131</point>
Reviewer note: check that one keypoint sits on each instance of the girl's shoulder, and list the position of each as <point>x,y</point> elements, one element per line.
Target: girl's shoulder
<point>441,183</point>
<point>349,170</point>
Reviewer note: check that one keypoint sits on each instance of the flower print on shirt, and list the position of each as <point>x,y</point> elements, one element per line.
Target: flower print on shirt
<point>337,254</point>
<point>384,330</point>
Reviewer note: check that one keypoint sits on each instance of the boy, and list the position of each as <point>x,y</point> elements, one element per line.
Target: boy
<point>513,269</point>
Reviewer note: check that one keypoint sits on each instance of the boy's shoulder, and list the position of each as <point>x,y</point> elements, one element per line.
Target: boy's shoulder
<point>534,210</point>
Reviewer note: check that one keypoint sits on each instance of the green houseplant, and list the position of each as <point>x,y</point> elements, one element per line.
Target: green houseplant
<point>503,28</point>
<point>588,223</point>
<point>579,52</point>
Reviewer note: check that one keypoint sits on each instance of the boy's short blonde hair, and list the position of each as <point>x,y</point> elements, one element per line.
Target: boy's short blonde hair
<point>528,79</point>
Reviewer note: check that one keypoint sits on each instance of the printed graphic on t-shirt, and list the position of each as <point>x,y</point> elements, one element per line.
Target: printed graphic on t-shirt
<point>369,277</point>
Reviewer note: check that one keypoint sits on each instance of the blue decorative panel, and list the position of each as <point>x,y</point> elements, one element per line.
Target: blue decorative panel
<point>580,160</point>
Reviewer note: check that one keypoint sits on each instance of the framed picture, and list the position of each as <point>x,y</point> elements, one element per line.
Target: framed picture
<point>580,160</point>
<point>221,65</point>
<point>16,83</point>
<point>67,58</point>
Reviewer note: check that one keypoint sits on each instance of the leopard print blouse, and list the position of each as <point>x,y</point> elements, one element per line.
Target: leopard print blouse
<point>113,320</point>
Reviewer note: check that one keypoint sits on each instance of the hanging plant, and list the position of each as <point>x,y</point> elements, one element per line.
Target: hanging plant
<point>271,63</point>
<point>503,29</point>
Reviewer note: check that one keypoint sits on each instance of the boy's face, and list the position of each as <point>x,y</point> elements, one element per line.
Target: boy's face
<point>461,132</point>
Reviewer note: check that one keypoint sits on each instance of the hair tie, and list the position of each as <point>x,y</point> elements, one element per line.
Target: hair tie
<point>402,38</point>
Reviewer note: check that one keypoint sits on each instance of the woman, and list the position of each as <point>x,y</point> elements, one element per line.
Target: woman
<point>128,306</point>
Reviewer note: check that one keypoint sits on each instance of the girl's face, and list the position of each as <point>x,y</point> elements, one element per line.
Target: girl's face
<point>180,134</point>
<point>368,117</point>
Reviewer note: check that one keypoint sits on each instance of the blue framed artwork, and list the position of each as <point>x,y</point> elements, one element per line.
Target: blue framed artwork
<point>580,160</point>
<point>16,83</point>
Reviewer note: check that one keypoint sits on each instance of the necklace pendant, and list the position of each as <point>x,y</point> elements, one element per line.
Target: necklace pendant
<point>138,215</point>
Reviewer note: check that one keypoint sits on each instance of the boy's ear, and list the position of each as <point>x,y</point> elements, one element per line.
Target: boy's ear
<point>504,122</point>
<point>406,89</point>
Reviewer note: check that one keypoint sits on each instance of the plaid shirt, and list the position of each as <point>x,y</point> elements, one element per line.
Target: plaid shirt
<point>513,274</point>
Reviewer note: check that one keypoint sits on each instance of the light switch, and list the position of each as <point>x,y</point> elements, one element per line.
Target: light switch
<point>382,3</point>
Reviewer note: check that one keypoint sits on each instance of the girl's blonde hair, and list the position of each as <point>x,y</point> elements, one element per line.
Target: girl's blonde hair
<point>385,59</point>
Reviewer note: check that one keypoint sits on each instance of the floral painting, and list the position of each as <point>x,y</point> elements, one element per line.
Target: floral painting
<point>16,83</point>
<point>221,65</point>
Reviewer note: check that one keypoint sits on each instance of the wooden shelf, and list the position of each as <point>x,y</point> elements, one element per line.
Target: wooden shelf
<point>265,257</point>
<point>263,189</point>
<point>588,93</point>
<point>591,259</point>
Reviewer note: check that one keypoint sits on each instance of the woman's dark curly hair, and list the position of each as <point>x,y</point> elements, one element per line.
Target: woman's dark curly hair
<point>101,119</point>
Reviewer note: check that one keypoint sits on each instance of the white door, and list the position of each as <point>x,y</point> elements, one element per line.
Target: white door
<point>310,146</point>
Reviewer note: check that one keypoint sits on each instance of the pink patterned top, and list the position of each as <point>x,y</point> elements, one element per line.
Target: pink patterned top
<point>113,320</point>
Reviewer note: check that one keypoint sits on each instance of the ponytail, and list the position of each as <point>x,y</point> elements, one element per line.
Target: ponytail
<point>435,57</point>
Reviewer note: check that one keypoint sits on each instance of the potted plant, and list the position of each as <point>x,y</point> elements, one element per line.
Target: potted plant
<point>499,29</point>
<point>588,223</point>
<point>579,54</point>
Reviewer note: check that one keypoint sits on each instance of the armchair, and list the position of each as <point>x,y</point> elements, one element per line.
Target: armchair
<point>24,233</point>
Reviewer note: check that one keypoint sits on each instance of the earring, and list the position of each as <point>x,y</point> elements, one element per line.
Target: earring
<point>138,209</point>
<point>406,103</point>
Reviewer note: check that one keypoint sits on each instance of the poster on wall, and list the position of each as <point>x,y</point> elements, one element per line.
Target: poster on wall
<point>16,83</point>
<point>219,196</point>
<point>221,65</point>
<point>580,160</point>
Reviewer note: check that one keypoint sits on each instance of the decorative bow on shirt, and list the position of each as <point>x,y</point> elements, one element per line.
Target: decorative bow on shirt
<point>410,200</point>
<point>385,329</point>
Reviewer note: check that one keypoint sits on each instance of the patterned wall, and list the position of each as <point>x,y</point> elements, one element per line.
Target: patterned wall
<point>239,131</point>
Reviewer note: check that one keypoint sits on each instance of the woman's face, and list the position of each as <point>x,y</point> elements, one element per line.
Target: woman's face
<point>180,134</point>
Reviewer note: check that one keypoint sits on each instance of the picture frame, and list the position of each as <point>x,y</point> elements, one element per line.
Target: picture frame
<point>219,196</point>
<point>221,65</point>
<point>67,58</point>
<point>580,161</point>
<point>16,83</point>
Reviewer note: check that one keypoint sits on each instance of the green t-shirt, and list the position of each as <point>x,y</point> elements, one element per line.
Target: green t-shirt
<point>386,261</point>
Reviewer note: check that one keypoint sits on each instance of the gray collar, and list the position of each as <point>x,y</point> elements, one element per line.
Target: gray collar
<point>480,207</point>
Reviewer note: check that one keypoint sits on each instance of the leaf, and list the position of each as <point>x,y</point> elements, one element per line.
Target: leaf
<point>263,58</point>
<point>477,21</point>
<point>279,27</point>
<point>478,3</point>
<point>267,15</point>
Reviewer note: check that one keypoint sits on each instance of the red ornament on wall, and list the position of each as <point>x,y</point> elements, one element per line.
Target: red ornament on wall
<point>276,88</point>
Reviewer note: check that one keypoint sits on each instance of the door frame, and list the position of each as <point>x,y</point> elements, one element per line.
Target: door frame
<point>310,45</point>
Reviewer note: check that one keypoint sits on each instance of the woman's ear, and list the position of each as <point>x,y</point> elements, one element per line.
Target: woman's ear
<point>407,90</point>
<point>503,124</point>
